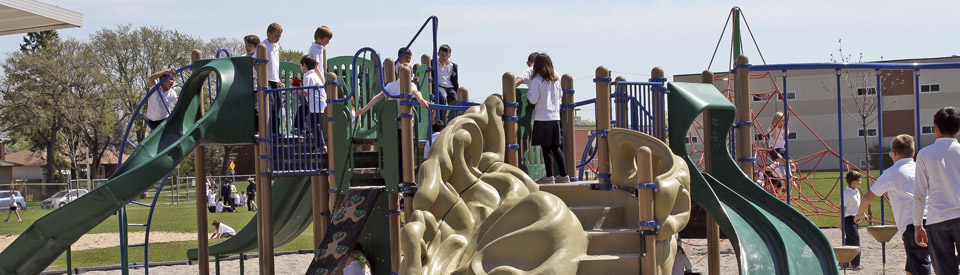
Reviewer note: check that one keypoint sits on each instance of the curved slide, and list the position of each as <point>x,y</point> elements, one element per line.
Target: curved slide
<point>770,237</point>
<point>292,213</point>
<point>227,121</point>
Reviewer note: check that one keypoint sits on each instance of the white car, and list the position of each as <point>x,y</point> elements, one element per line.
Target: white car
<point>5,200</point>
<point>62,198</point>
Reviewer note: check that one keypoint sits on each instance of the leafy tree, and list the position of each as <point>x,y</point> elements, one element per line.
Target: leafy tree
<point>291,56</point>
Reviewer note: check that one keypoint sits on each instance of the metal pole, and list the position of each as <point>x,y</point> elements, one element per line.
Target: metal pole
<point>510,126</point>
<point>843,234</point>
<point>713,229</point>
<point>883,245</point>
<point>200,172</point>
<point>602,81</point>
<point>786,134</point>
<point>69,261</point>
<point>242,257</point>
<point>916,108</point>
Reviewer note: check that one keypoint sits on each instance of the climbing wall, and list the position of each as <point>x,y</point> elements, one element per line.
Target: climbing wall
<point>346,225</point>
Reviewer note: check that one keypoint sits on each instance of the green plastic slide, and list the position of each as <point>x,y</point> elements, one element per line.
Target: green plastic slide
<point>769,236</point>
<point>228,120</point>
<point>292,213</point>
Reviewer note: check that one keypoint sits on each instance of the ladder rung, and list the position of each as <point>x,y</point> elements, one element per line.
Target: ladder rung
<point>137,245</point>
<point>137,266</point>
<point>140,203</point>
<point>136,224</point>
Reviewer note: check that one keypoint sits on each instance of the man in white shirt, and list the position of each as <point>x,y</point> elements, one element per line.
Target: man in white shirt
<point>223,230</point>
<point>851,201</point>
<point>899,182</point>
<point>161,102</point>
<point>527,74</point>
<point>938,191</point>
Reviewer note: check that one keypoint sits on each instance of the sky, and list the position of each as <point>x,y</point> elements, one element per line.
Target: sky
<point>492,37</point>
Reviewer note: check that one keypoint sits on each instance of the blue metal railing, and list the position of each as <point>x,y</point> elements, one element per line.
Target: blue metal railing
<point>296,137</point>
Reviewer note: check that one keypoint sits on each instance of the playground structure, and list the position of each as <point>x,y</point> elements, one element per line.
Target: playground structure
<point>463,204</point>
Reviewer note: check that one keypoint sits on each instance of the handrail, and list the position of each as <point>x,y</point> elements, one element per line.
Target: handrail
<point>353,73</point>
<point>156,87</point>
<point>434,62</point>
<point>223,50</point>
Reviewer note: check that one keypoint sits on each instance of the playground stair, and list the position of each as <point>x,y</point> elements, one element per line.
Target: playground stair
<point>609,218</point>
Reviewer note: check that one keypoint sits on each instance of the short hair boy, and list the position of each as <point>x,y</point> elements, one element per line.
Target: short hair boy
<point>899,182</point>
<point>308,118</point>
<point>527,74</point>
<point>449,81</point>
<point>318,50</point>
<point>937,189</point>
<point>851,197</point>
<point>274,31</point>
<point>161,103</point>
<point>250,43</point>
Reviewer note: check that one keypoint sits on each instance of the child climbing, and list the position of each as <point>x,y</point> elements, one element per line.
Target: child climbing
<point>545,94</point>
<point>160,103</point>
<point>851,229</point>
<point>899,183</point>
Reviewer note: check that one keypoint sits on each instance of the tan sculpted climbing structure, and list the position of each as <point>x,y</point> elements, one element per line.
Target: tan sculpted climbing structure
<point>475,214</point>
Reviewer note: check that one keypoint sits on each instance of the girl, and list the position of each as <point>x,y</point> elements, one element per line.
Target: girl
<point>545,94</point>
<point>776,140</point>
<point>13,206</point>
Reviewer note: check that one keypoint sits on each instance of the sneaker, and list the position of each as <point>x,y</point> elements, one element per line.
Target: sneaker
<point>19,220</point>
<point>545,180</point>
<point>563,179</point>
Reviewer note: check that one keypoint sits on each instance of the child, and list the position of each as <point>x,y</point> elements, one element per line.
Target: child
<point>851,197</point>
<point>357,263</point>
<point>250,43</point>
<point>212,201</point>
<point>449,78</point>
<point>318,50</point>
<point>404,56</point>
<point>13,207</point>
<point>274,31</point>
<point>545,94</point>
<point>251,194</point>
<point>898,182</point>
<point>161,102</point>
<point>938,176</point>
<point>393,89</point>
<point>776,141</point>
<point>219,206</point>
<point>524,77</point>
<point>437,127</point>
<point>222,230</point>
<point>308,118</point>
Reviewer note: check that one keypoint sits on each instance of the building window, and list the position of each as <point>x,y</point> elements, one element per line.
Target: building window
<point>870,132</point>
<point>792,136</point>
<point>758,137</point>
<point>867,91</point>
<point>930,88</point>
<point>693,140</point>
<point>791,95</point>
<point>756,98</point>
<point>927,130</point>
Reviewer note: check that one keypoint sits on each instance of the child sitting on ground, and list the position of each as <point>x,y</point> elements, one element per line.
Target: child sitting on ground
<point>899,183</point>
<point>851,200</point>
<point>222,230</point>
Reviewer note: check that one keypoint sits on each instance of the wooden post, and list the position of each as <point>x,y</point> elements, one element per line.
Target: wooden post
<point>713,230</point>
<point>648,261</point>
<point>264,180</point>
<point>510,126</point>
<point>567,124</point>
<point>200,172</point>
<point>320,184</point>
<point>406,154</point>
<point>603,124</point>
<point>389,71</point>
<point>332,93</point>
<point>744,134</point>
<point>659,126</point>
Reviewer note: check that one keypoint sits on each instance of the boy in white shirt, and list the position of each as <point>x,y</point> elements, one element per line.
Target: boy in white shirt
<point>318,50</point>
<point>525,76</point>
<point>437,127</point>
<point>851,200</point>
<point>161,103</point>
<point>393,89</point>
<point>223,230</point>
<point>938,176</point>
<point>274,31</point>
<point>309,119</point>
<point>449,81</point>
<point>898,182</point>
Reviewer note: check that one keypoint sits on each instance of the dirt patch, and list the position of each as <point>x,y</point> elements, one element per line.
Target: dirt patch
<point>104,240</point>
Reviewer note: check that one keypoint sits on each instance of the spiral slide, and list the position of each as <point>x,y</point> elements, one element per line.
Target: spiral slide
<point>769,237</point>
<point>227,121</point>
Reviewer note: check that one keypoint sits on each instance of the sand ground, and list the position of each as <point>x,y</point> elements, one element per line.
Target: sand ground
<point>104,240</point>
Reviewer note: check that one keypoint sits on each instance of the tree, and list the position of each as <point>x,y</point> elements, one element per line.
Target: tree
<point>34,41</point>
<point>291,56</point>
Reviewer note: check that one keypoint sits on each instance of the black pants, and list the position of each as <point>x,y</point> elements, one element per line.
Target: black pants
<point>551,153</point>
<point>154,123</point>
<point>445,96</point>
<point>274,104</point>
<point>918,257</point>
<point>852,232</point>
<point>944,238</point>
<point>250,200</point>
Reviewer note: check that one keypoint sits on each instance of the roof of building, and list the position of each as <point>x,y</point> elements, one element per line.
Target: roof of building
<point>23,16</point>
<point>4,163</point>
<point>38,158</point>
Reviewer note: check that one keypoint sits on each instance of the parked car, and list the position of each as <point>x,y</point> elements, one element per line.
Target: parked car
<point>62,198</point>
<point>5,200</point>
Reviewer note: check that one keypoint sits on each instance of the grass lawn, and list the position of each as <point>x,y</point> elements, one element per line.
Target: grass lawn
<point>824,182</point>
<point>167,217</point>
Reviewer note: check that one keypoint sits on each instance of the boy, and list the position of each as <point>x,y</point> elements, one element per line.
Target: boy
<point>437,127</point>
<point>250,43</point>
<point>938,176</point>
<point>223,230</point>
<point>309,118</point>
<point>274,31</point>
<point>527,74</point>
<point>393,89</point>
<point>251,195</point>
<point>449,78</point>
<point>160,103</point>
<point>898,182</point>
<point>318,50</point>
<point>851,197</point>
